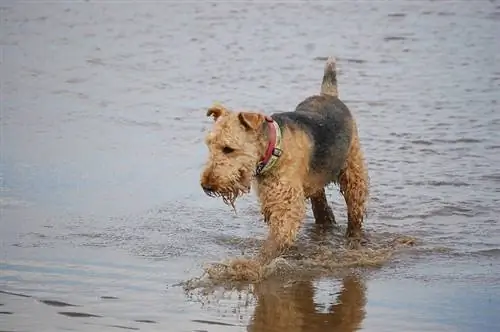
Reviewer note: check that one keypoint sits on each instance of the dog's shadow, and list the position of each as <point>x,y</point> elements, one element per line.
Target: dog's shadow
<point>291,307</point>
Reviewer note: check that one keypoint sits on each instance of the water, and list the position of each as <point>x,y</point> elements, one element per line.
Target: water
<point>102,110</point>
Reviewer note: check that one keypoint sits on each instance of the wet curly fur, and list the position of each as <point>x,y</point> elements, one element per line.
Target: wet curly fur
<point>320,146</point>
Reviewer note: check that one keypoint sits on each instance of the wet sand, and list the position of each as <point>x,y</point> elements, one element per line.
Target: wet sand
<point>104,226</point>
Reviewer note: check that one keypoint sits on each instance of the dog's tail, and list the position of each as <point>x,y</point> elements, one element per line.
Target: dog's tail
<point>329,84</point>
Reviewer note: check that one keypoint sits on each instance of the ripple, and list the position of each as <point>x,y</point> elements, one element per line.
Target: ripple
<point>76,80</point>
<point>421,142</point>
<point>54,303</point>
<point>321,58</point>
<point>435,183</point>
<point>209,322</point>
<point>446,13</point>
<point>488,252</point>
<point>460,140</point>
<point>390,38</point>
<point>96,61</point>
<point>430,151</point>
<point>352,60</point>
<point>124,327</point>
<point>453,210</point>
<point>147,321</point>
<point>396,15</point>
<point>14,294</point>
<point>78,314</point>
<point>495,177</point>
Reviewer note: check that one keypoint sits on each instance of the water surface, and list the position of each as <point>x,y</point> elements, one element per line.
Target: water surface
<point>102,125</point>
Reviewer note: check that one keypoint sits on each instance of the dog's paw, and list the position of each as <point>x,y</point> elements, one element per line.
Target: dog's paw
<point>356,243</point>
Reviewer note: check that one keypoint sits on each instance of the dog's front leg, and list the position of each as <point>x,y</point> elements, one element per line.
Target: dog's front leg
<point>283,207</point>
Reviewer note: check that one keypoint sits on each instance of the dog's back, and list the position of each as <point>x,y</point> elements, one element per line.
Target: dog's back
<point>328,122</point>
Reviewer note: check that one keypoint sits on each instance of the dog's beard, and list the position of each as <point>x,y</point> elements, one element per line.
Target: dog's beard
<point>231,193</point>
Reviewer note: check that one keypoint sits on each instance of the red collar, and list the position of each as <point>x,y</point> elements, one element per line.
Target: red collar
<point>273,151</point>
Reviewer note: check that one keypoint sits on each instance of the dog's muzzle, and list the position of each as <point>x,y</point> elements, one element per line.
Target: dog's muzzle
<point>208,190</point>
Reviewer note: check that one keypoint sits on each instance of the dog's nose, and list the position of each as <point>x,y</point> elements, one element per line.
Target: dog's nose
<point>206,187</point>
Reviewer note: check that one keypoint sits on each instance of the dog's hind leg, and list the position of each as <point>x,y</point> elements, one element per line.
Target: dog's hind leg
<point>353,182</point>
<point>323,214</point>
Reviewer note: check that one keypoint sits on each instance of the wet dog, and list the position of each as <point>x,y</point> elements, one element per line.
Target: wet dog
<point>290,157</point>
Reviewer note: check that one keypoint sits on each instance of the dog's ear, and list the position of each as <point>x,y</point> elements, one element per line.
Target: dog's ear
<point>251,120</point>
<point>217,111</point>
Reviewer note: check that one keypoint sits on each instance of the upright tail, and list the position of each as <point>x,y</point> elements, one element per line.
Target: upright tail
<point>329,84</point>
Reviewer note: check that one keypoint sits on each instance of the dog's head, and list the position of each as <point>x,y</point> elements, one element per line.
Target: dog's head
<point>235,143</point>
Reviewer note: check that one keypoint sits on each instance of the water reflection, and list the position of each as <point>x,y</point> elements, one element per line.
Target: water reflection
<point>292,307</point>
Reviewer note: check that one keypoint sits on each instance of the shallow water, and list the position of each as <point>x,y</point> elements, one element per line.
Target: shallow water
<point>102,110</point>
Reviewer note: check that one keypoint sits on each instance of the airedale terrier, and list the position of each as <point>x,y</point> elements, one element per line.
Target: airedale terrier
<point>290,157</point>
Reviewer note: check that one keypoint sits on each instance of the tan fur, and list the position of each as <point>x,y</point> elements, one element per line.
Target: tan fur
<point>353,182</point>
<point>216,111</point>
<point>281,192</point>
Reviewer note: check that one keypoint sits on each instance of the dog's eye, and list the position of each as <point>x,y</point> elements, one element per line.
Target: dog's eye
<point>227,149</point>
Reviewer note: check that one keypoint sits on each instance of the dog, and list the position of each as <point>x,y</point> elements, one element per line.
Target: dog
<point>290,157</point>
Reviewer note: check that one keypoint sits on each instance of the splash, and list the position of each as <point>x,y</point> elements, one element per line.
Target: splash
<point>312,257</point>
